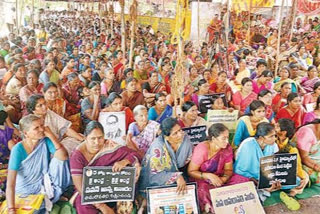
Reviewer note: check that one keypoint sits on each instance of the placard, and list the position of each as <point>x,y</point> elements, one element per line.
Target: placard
<point>229,119</point>
<point>278,167</point>
<point>196,134</point>
<point>100,184</point>
<point>114,125</point>
<point>205,101</point>
<point>310,107</point>
<point>166,200</point>
<point>238,198</point>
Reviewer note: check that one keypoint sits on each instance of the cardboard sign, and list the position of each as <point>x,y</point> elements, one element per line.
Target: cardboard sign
<point>205,101</point>
<point>166,200</point>
<point>229,119</point>
<point>100,184</point>
<point>278,167</point>
<point>239,198</point>
<point>114,125</point>
<point>196,134</point>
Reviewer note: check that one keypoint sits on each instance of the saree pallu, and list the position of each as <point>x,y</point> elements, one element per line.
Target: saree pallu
<point>314,155</point>
<point>297,117</point>
<point>152,114</point>
<point>215,165</point>
<point>243,102</point>
<point>278,83</point>
<point>308,84</point>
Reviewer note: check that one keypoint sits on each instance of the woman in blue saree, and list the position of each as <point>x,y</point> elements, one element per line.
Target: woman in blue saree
<point>166,158</point>
<point>161,110</point>
<point>31,167</point>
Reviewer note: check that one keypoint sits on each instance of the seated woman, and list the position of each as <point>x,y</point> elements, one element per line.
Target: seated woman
<point>151,88</point>
<point>167,158</point>
<point>315,114</point>
<point>31,163</point>
<point>91,105</point>
<point>308,143</point>
<point>190,116</point>
<point>211,165</point>
<point>95,151</point>
<point>247,124</point>
<point>131,97</point>
<point>221,85</point>
<point>284,76</point>
<point>202,89</point>
<point>59,126</point>
<point>6,139</point>
<point>311,98</point>
<point>114,104</point>
<point>161,110</point>
<point>143,132</point>
<point>242,99</point>
<point>285,130</point>
<point>309,81</point>
<point>239,74</point>
<point>280,99</point>
<point>294,110</point>
<point>109,83</point>
<point>264,81</point>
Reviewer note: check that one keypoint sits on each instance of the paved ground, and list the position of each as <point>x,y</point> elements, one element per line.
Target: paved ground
<point>308,206</point>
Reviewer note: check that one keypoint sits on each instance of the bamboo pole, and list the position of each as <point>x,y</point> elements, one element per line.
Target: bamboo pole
<point>123,31</point>
<point>32,15</point>
<point>294,6</point>
<point>279,37</point>
<point>133,17</point>
<point>249,27</point>
<point>17,16</point>
<point>198,22</point>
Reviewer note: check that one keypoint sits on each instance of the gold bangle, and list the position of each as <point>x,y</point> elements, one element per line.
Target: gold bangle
<point>201,175</point>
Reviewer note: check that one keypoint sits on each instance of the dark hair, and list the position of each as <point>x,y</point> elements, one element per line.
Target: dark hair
<point>288,126</point>
<point>187,105</point>
<point>127,71</point>
<point>49,85</point>
<point>17,66</point>
<point>263,129</point>
<point>317,104</point>
<point>167,125</point>
<point>72,76</point>
<point>34,71</point>
<point>130,79</point>
<point>311,67</point>
<point>245,80</point>
<point>222,72</point>
<point>3,117</point>
<point>261,62</point>
<point>202,82</point>
<point>32,102</point>
<point>284,84</point>
<point>291,96</point>
<point>264,92</point>
<point>93,84</point>
<point>254,105</point>
<point>216,129</point>
<point>91,126</point>
<point>112,97</point>
<point>158,95</point>
<point>266,73</point>
<point>316,85</point>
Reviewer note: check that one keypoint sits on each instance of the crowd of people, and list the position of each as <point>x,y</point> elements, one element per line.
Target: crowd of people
<point>57,77</point>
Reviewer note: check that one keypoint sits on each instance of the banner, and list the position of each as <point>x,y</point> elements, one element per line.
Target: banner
<point>205,101</point>
<point>308,7</point>
<point>239,198</point>
<point>196,134</point>
<point>114,125</point>
<point>278,167</point>
<point>166,200</point>
<point>100,184</point>
<point>244,5</point>
<point>229,119</point>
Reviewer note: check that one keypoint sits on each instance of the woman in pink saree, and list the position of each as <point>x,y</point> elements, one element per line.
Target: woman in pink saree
<point>242,99</point>
<point>212,165</point>
<point>309,81</point>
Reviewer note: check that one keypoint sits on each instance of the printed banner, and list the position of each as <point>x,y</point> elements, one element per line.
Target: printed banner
<point>166,200</point>
<point>196,134</point>
<point>100,184</point>
<point>308,7</point>
<point>205,101</point>
<point>114,125</point>
<point>278,167</point>
<point>244,5</point>
<point>229,119</point>
<point>239,198</point>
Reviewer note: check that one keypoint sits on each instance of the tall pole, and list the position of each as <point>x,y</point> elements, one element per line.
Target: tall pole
<point>279,37</point>
<point>32,15</point>
<point>198,22</point>
<point>123,31</point>
<point>133,17</point>
<point>249,30</point>
<point>294,6</point>
<point>17,16</point>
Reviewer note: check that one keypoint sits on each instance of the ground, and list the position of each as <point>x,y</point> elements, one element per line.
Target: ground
<point>308,206</point>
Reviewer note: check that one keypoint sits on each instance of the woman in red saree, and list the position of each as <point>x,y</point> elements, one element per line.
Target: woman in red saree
<point>131,97</point>
<point>95,151</point>
<point>294,110</point>
<point>211,165</point>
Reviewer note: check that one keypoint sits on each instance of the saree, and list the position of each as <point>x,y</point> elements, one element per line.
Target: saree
<point>307,141</point>
<point>6,134</point>
<point>308,84</point>
<point>59,127</point>
<point>134,100</point>
<point>247,157</point>
<point>244,130</point>
<point>243,102</point>
<point>38,171</point>
<point>213,165</point>
<point>278,82</point>
<point>153,115</point>
<point>145,138</point>
<point>107,157</point>
<point>297,117</point>
<point>161,165</point>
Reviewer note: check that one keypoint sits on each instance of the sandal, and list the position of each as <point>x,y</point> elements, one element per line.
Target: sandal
<point>291,203</point>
